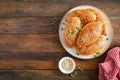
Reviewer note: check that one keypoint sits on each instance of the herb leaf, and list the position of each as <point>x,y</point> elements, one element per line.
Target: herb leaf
<point>81,25</point>
<point>98,42</point>
<point>77,53</point>
<point>80,69</point>
<point>76,31</point>
<point>107,38</point>
<point>74,74</point>
<point>61,28</point>
<point>78,28</point>
<point>69,31</point>
<point>63,23</point>
<point>69,34</point>
<point>97,54</point>
<point>55,45</point>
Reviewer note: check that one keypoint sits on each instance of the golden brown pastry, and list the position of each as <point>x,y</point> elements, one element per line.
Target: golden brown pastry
<point>100,17</point>
<point>71,31</point>
<point>85,16</point>
<point>89,34</point>
<point>93,48</point>
<point>74,22</point>
<point>87,39</point>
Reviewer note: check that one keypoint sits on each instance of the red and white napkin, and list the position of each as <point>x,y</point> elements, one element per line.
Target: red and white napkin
<point>110,68</point>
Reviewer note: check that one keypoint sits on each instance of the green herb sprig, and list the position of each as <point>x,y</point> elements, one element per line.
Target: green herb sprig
<point>74,74</point>
<point>97,54</point>
<point>63,23</point>
<point>79,68</point>
<point>107,38</point>
<point>55,45</point>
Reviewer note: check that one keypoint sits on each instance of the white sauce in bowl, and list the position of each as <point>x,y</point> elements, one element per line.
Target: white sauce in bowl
<point>66,65</point>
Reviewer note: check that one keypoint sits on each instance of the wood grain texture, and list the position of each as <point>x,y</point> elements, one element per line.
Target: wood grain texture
<point>37,43</point>
<point>30,25</point>
<point>46,25</point>
<point>29,43</point>
<point>29,30</point>
<point>54,8</point>
<point>34,61</point>
<point>45,75</point>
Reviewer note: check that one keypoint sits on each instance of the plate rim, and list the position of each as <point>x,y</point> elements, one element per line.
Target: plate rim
<point>75,8</point>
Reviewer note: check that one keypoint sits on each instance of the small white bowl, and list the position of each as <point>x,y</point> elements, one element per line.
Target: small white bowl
<point>61,67</point>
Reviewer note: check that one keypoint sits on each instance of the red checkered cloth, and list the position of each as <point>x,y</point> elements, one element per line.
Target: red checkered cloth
<point>110,68</point>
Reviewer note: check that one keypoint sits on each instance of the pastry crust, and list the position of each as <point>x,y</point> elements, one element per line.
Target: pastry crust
<point>90,33</point>
<point>93,48</point>
<point>85,16</point>
<point>93,30</point>
<point>99,17</point>
<point>70,31</point>
<point>74,22</point>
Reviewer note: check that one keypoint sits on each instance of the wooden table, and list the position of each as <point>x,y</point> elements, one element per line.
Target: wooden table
<point>29,43</point>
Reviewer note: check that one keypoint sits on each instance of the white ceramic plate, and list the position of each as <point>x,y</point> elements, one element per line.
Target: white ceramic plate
<point>72,51</point>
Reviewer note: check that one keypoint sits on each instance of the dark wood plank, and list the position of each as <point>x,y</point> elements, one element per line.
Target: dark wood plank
<point>45,75</point>
<point>54,8</point>
<point>30,43</point>
<point>30,61</point>
<point>30,25</point>
<point>36,42</point>
<point>115,25</point>
<point>41,25</point>
<point>43,56</point>
<point>28,51</point>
